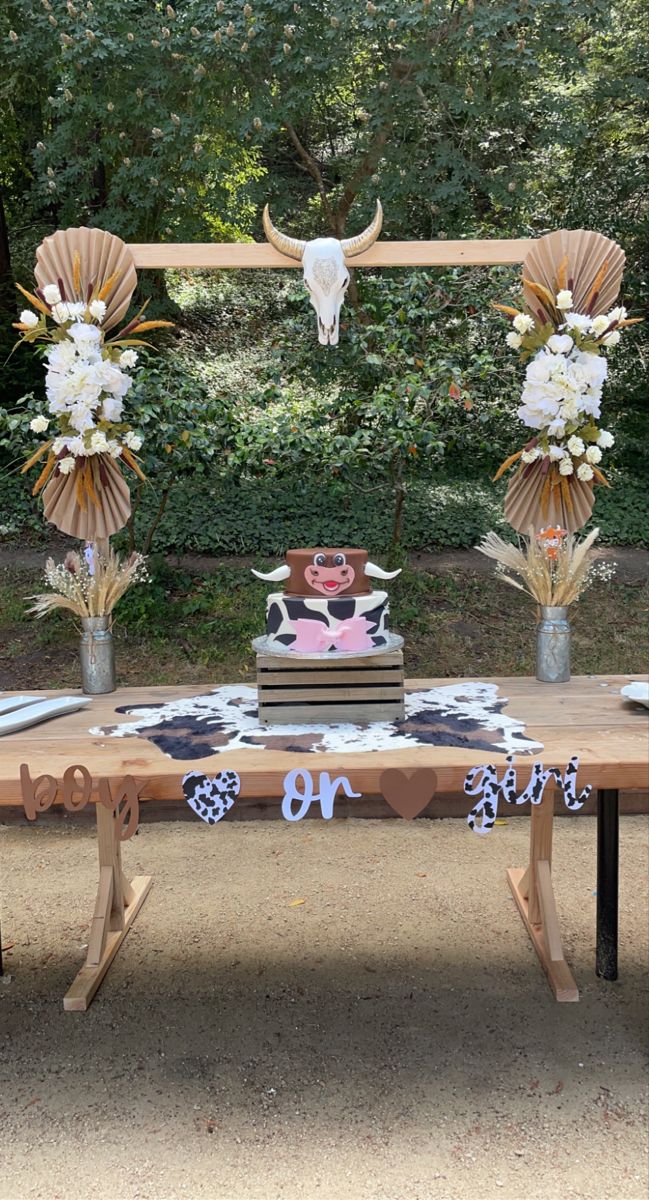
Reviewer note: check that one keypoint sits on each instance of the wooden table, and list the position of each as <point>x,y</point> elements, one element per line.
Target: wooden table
<point>585,717</point>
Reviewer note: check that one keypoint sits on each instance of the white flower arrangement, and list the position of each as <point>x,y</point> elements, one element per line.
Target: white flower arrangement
<point>565,352</point>
<point>87,376</point>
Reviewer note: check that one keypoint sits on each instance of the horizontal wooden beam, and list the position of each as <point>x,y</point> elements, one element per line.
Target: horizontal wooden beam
<point>227,255</point>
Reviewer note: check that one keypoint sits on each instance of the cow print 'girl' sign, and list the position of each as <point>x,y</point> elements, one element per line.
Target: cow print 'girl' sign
<point>484,782</point>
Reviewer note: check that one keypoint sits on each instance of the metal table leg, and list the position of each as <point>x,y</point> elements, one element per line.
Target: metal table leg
<point>608,857</point>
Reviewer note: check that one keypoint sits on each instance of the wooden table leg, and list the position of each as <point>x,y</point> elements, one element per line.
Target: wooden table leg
<point>608,858</point>
<point>533,892</point>
<point>116,907</point>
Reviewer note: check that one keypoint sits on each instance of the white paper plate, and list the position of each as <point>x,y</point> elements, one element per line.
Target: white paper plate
<point>638,692</point>
<point>32,714</point>
<point>264,645</point>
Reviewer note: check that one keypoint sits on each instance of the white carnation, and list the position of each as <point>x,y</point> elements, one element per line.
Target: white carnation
<point>29,318</point>
<point>564,299</point>
<point>599,324</point>
<point>576,446</point>
<point>67,464</point>
<point>39,424</point>
<point>99,442</point>
<point>514,340</point>
<point>68,311</point>
<point>593,455</point>
<point>522,323</point>
<point>529,456</point>
<point>51,294</point>
<point>585,473</point>
<point>612,338</point>
<point>557,428</point>
<point>566,467</point>
<point>560,343</point>
<point>605,440</point>
<point>97,310</point>
<point>556,453</point>
<point>579,321</point>
<point>128,358</point>
<point>133,440</point>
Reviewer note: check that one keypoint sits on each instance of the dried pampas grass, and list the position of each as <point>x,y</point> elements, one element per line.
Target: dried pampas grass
<point>553,570</point>
<point>84,591</point>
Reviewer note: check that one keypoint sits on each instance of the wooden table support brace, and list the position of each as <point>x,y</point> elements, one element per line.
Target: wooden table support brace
<point>116,907</point>
<point>533,892</point>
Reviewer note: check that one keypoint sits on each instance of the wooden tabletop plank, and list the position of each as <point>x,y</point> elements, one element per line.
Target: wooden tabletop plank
<point>583,717</point>
<point>245,255</point>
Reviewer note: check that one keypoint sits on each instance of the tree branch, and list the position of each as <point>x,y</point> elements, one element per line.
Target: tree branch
<point>315,173</point>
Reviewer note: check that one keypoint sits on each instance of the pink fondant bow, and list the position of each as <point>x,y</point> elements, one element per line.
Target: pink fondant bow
<point>312,637</point>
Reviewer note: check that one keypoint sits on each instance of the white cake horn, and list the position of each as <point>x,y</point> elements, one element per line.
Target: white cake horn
<point>375,572</point>
<point>282,572</point>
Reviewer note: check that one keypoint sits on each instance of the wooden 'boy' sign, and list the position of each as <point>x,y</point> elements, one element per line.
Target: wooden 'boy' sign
<point>121,797</point>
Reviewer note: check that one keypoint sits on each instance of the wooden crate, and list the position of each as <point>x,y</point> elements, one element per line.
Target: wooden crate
<point>304,691</point>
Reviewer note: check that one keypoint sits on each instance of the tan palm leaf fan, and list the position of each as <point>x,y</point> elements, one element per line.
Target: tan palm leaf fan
<point>93,501</point>
<point>88,261</point>
<point>590,266</point>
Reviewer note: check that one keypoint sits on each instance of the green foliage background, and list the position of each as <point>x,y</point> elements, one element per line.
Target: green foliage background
<point>468,119</point>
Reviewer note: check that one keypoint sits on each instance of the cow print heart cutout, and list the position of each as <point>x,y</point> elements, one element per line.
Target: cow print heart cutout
<point>408,792</point>
<point>211,797</point>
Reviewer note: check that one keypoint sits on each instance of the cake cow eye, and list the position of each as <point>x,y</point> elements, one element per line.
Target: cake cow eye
<point>320,560</point>
<point>339,560</point>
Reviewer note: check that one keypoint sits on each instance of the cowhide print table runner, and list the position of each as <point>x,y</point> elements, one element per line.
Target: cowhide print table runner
<point>466,715</point>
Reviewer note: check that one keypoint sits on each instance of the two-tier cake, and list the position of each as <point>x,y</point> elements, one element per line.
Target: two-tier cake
<point>328,606</point>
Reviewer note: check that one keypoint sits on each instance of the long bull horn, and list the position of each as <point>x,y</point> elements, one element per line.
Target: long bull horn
<point>356,245</point>
<point>282,572</point>
<point>375,572</point>
<point>292,247</point>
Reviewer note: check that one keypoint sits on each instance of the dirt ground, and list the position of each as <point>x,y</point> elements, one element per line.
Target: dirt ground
<point>391,1038</point>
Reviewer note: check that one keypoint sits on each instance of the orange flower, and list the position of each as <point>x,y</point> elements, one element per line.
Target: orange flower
<point>551,538</point>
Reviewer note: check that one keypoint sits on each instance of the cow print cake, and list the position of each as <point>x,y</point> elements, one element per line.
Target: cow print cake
<point>328,606</point>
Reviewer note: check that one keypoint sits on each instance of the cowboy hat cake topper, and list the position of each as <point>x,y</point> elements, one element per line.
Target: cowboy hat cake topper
<point>326,276</point>
<point>328,605</point>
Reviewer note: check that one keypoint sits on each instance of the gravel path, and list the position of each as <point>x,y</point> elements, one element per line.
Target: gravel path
<point>391,1038</point>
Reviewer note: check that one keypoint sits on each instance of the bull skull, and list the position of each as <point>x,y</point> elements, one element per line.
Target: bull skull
<point>325,270</point>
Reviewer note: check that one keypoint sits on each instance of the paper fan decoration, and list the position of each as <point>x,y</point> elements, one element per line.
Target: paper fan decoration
<point>586,263</point>
<point>87,261</point>
<point>69,503</point>
<point>531,502</point>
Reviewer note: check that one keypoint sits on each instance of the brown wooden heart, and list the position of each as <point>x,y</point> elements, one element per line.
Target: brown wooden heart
<point>408,792</point>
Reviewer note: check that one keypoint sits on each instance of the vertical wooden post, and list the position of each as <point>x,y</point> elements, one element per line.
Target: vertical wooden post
<point>540,848</point>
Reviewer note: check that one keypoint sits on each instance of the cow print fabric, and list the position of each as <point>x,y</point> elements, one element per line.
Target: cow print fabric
<point>466,715</point>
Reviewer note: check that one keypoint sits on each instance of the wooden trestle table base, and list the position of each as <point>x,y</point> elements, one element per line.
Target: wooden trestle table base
<point>585,717</point>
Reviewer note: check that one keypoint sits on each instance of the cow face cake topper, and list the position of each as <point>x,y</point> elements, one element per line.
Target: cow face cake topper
<point>327,571</point>
<point>329,574</point>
